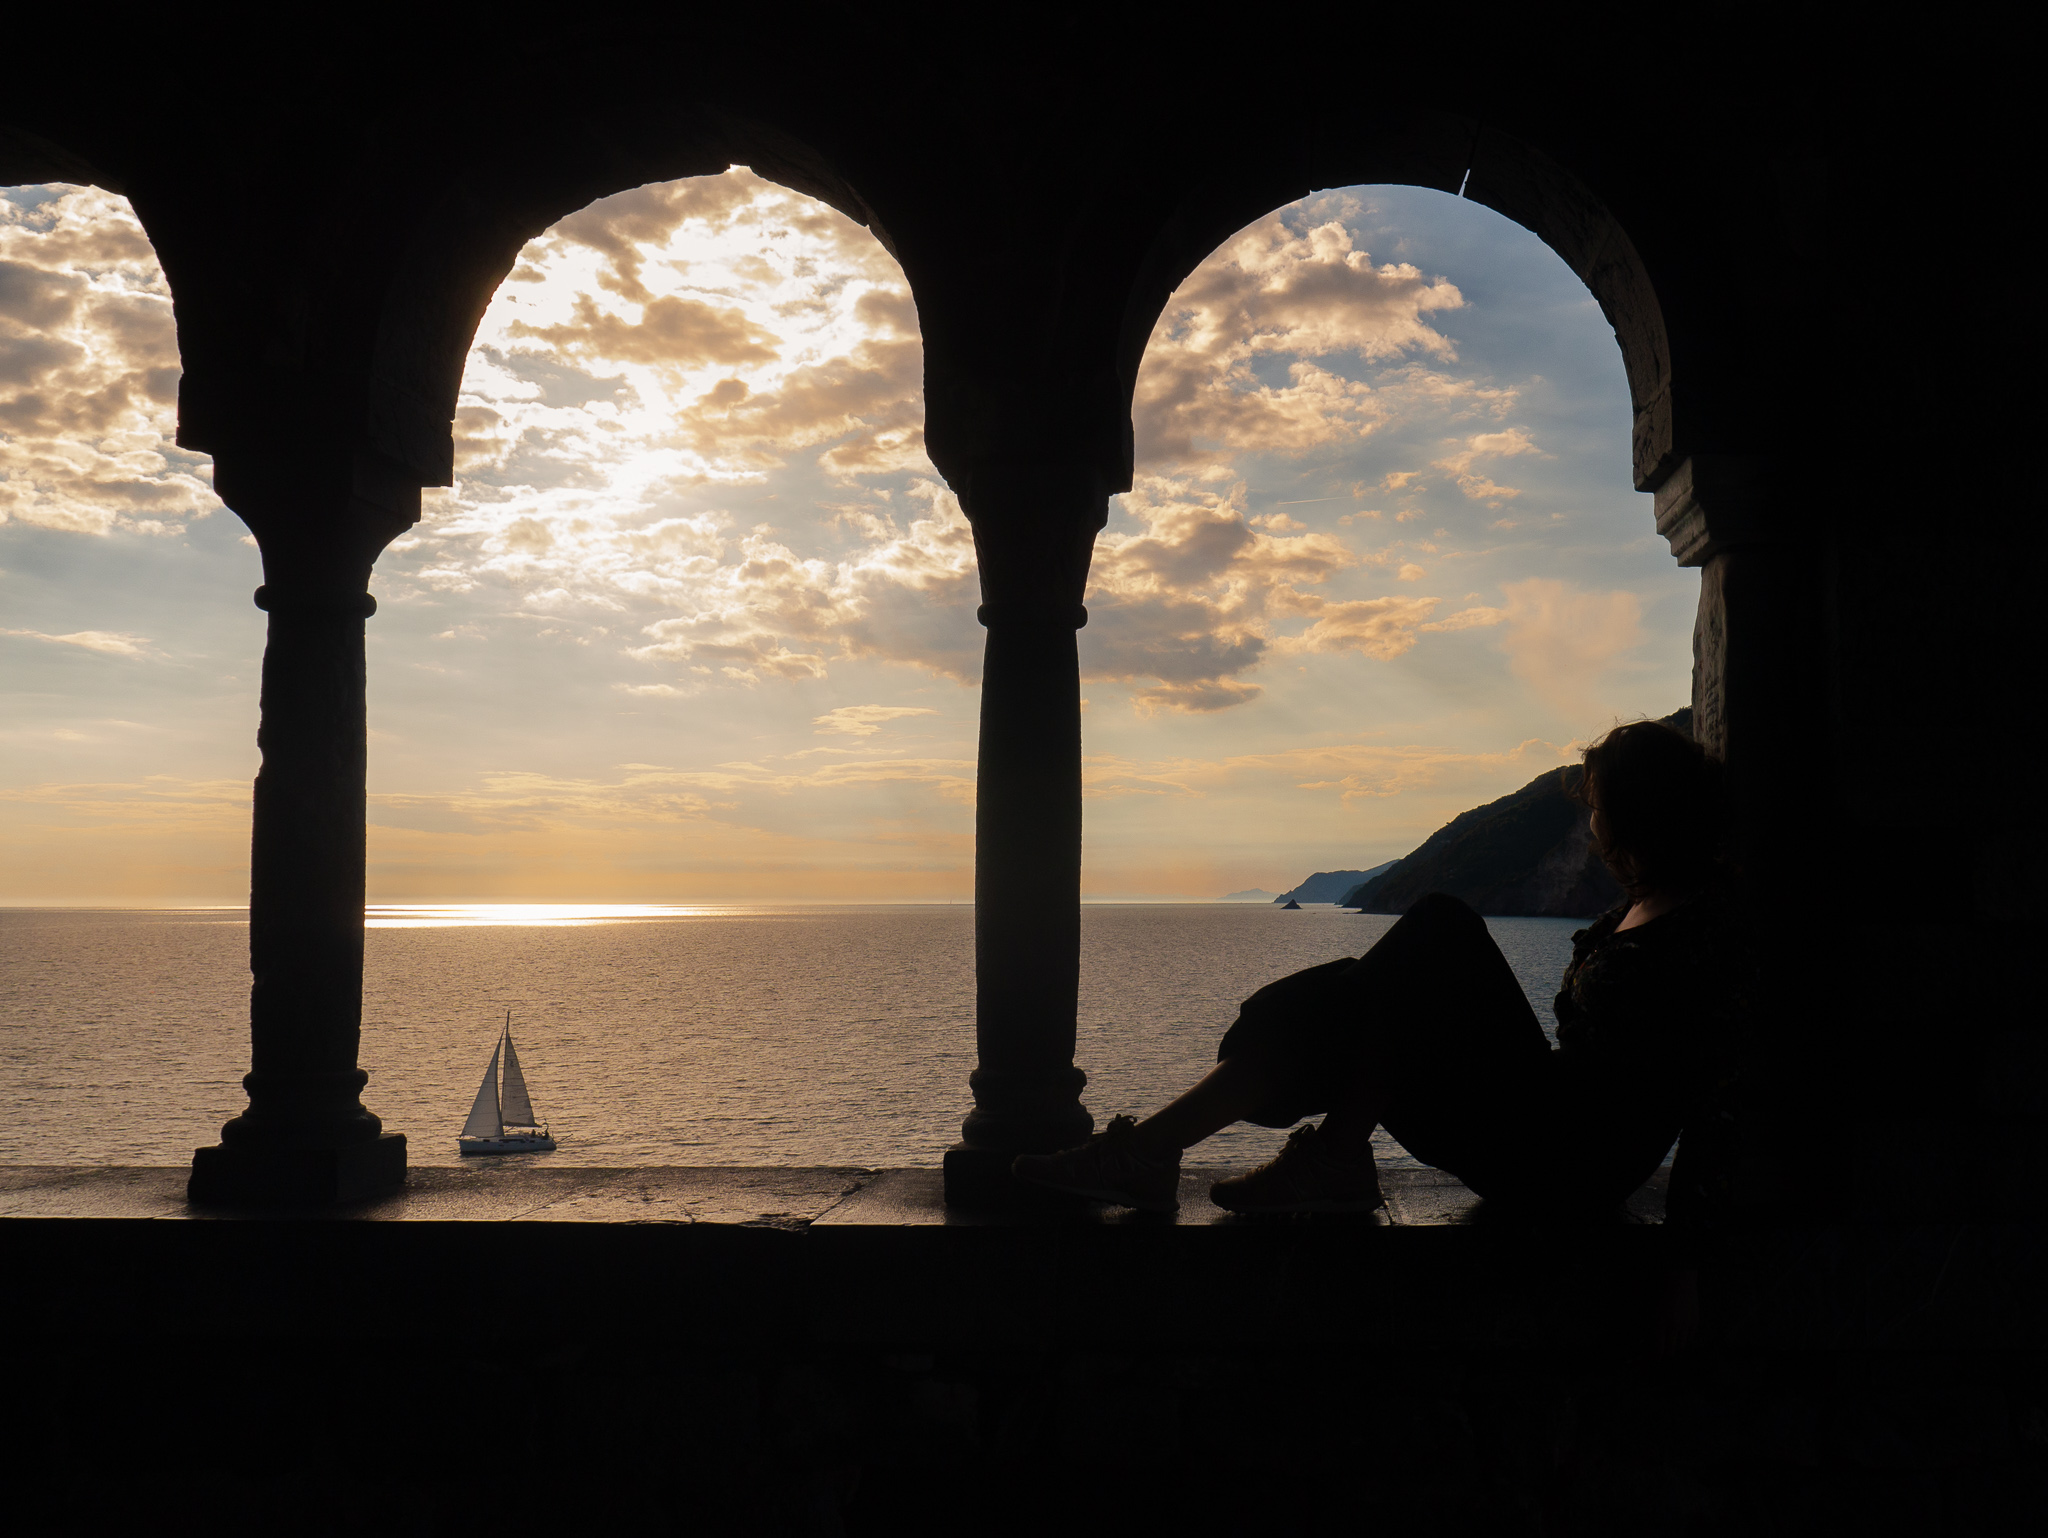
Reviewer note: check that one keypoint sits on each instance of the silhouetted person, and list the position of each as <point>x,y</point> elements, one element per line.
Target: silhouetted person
<point>1430,1035</point>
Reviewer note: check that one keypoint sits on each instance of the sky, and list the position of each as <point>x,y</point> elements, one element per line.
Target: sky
<point>696,620</point>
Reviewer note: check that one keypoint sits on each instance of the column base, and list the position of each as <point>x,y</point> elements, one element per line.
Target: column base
<point>297,1177</point>
<point>979,1180</point>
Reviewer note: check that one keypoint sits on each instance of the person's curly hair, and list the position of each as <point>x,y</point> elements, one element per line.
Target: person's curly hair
<point>1660,799</point>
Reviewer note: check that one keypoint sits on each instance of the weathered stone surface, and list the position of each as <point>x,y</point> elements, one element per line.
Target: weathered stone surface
<point>501,1191</point>
<point>98,1193</point>
<point>775,1198</point>
<point>479,1192</point>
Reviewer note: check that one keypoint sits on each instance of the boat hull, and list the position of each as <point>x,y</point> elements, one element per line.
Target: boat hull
<point>518,1142</point>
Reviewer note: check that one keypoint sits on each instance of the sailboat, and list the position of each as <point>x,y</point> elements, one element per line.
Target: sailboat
<point>504,1123</point>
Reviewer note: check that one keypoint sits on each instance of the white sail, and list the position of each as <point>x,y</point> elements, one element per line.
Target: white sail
<point>518,1106</point>
<point>484,1120</point>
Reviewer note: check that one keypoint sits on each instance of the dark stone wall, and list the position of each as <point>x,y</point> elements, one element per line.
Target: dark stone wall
<point>710,1439</point>
<point>1779,227</point>
<point>337,1378</point>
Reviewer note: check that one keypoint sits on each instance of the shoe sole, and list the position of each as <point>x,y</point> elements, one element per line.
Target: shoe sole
<point>1098,1194</point>
<point>1308,1206</point>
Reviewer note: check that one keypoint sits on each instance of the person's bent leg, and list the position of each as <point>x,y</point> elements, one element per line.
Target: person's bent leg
<point>1439,970</point>
<point>1326,1168</point>
<point>1227,1093</point>
<point>1432,1008</point>
<point>1347,1130</point>
<point>1137,1164</point>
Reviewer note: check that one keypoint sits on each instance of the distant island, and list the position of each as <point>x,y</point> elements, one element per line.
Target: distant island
<point>1528,855</point>
<point>1250,895</point>
<point>1329,886</point>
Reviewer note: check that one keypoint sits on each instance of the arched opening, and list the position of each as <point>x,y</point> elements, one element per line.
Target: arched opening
<point>693,629</point>
<point>692,530</point>
<point>130,652</point>
<point>1382,563</point>
<point>695,625</point>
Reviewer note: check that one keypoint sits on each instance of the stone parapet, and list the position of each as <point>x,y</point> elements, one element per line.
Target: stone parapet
<point>832,1351</point>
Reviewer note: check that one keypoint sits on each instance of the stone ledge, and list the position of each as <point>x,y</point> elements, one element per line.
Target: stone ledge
<point>518,1189</point>
<point>872,1260</point>
<point>524,1189</point>
<point>835,1257</point>
<point>1416,1198</point>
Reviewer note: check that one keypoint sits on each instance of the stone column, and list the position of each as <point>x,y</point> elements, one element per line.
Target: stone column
<point>1034,531</point>
<point>1761,692</point>
<point>1763,698</point>
<point>306,1137</point>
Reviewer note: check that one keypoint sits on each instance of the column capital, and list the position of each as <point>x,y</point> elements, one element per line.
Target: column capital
<point>320,516</point>
<point>1711,503</point>
<point>316,603</point>
<point>1037,484</point>
<point>1049,615</point>
<point>1035,520</point>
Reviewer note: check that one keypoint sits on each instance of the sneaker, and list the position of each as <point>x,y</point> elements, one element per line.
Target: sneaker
<point>1302,1179</point>
<point>1107,1168</point>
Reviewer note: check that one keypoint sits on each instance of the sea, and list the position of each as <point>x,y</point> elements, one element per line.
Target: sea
<point>748,1035</point>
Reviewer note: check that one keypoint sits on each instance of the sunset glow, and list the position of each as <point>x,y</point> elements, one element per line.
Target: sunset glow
<point>695,624</point>
<point>528,915</point>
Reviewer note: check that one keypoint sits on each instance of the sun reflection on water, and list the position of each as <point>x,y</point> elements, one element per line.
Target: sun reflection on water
<point>529,915</point>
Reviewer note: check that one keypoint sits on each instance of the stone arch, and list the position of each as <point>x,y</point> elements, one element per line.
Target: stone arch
<point>90,378</point>
<point>1452,154</point>
<point>466,242</point>
<point>376,334</point>
<point>1233,399</point>
<point>29,158</point>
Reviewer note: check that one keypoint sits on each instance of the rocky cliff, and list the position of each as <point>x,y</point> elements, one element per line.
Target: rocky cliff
<point>1526,855</point>
<point>1328,886</point>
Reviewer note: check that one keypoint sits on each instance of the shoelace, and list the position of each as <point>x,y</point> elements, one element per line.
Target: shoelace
<point>1301,1144</point>
<point>1119,1134</point>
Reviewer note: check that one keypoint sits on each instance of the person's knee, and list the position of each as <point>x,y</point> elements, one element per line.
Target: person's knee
<point>1442,908</point>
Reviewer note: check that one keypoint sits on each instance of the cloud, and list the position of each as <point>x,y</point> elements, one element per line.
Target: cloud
<point>669,331</point>
<point>703,330</point>
<point>112,643</point>
<point>1354,771</point>
<point>1277,291</point>
<point>631,229</point>
<point>1203,594</point>
<point>1501,445</point>
<point>1483,489</point>
<point>755,609</point>
<point>89,371</point>
<point>1287,348</point>
<point>678,339</point>
<point>1561,640</point>
<point>1379,627</point>
<point>657,691</point>
<point>1183,602</point>
<point>515,800</point>
<point>866,720</point>
<point>157,805</point>
<point>1467,619</point>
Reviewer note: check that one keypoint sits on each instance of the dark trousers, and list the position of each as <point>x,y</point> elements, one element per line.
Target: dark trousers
<point>1433,1012</point>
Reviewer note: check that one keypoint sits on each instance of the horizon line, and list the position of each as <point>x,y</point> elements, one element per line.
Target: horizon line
<point>154,905</point>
